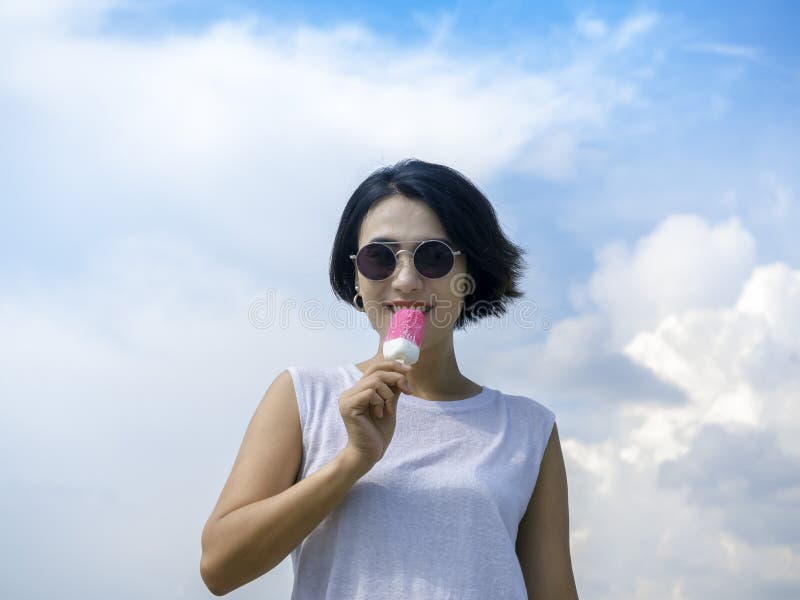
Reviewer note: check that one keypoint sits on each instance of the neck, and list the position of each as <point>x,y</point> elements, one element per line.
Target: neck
<point>436,376</point>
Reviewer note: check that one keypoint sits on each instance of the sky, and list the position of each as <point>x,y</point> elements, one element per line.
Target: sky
<point>172,178</point>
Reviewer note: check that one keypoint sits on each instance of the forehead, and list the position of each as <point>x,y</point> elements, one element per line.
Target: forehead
<point>398,218</point>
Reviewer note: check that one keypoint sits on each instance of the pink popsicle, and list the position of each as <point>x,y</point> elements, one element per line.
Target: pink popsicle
<point>404,337</point>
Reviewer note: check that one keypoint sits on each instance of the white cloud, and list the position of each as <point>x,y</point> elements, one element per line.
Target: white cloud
<point>190,109</point>
<point>730,50</point>
<point>773,293</point>
<point>676,549</point>
<point>704,478</point>
<point>439,27</point>
<point>752,484</point>
<point>575,360</point>
<point>249,125</point>
<point>34,15</point>
<point>633,28</point>
<point>683,263</point>
<point>591,27</point>
<point>627,33</point>
<point>737,365</point>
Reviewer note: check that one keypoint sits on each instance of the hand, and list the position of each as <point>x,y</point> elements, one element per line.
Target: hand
<point>369,408</point>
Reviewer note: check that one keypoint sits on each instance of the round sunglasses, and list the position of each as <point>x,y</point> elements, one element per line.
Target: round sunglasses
<point>432,259</point>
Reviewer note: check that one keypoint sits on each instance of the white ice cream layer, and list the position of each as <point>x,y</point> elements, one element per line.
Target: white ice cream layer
<point>401,349</point>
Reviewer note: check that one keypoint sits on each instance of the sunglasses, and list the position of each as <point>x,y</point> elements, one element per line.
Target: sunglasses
<point>432,259</point>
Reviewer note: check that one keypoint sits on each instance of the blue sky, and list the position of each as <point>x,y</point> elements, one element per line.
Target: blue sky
<point>160,158</point>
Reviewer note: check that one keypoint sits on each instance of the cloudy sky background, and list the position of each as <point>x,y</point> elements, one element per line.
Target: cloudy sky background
<point>161,160</point>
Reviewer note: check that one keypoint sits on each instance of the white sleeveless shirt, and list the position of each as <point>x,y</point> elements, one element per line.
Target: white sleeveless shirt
<point>437,517</point>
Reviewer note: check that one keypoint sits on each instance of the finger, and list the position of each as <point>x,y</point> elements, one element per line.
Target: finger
<point>381,382</point>
<point>388,384</point>
<point>391,404</point>
<point>399,382</point>
<point>376,399</point>
<point>389,365</point>
<point>384,391</point>
<point>377,403</point>
<point>405,385</point>
<point>390,378</point>
<point>359,403</point>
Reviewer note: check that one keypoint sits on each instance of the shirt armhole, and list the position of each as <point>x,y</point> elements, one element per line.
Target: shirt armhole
<point>550,423</point>
<point>299,393</point>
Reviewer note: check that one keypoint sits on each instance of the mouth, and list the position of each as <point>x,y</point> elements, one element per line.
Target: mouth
<point>421,306</point>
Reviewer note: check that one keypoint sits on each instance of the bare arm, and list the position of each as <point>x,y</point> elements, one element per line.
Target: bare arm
<point>543,536</point>
<point>261,516</point>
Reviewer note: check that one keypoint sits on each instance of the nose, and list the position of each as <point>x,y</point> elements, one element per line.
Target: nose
<point>406,278</point>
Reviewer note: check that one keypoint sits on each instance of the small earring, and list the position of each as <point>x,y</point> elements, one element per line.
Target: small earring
<point>356,304</point>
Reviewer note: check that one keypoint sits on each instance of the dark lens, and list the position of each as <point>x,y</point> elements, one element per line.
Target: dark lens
<point>433,259</point>
<point>375,261</point>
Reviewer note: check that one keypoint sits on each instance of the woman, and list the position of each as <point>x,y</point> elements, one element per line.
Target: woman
<point>392,481</point>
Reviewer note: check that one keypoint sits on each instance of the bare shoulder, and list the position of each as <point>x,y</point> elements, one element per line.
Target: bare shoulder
<point>270,453</point>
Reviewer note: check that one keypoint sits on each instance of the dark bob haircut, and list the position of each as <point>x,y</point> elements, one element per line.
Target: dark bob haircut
<point>494,263</point>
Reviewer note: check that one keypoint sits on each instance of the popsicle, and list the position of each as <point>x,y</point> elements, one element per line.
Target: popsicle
<point>404,337</point>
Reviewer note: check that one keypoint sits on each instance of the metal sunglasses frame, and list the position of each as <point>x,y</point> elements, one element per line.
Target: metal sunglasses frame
<point>396,254</point>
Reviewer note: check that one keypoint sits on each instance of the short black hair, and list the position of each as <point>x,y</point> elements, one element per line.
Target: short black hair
<point>495,264</point>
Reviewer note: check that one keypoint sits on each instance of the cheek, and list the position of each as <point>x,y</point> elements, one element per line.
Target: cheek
<point>460,285</point>
<point>378,316</point>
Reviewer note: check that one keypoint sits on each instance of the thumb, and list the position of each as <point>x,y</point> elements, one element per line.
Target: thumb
<point>407,386</point>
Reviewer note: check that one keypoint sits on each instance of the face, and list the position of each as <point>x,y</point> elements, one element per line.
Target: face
<point>398,218</point>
